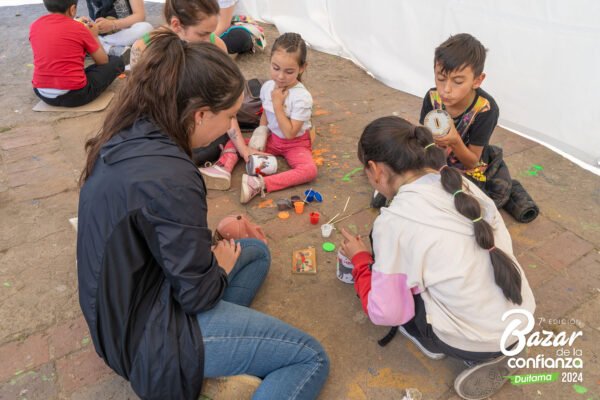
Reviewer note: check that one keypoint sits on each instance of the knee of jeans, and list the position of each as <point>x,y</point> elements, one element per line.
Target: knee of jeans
<point>258,248</point>
<point>320,356</point>
<point>142,28</point>
<point>139,29</point>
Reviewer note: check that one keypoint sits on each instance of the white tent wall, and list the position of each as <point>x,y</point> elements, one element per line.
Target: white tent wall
<point>543,63</point>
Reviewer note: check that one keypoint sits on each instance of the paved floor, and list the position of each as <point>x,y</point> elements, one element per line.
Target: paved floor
<point>45,349</point>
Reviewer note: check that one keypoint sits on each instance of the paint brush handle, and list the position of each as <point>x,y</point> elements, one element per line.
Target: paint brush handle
<point>334,217</point>
<point>346,206</point>
<point>341,219</point>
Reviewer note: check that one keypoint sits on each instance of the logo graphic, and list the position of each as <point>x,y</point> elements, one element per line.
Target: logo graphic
<point>566,356</point>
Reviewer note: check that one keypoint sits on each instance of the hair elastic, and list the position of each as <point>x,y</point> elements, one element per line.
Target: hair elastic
<point>443,166</point>
<point>428,146</point>
<point>491,249</point>
<point>457,192</point>
<point>477,219</point>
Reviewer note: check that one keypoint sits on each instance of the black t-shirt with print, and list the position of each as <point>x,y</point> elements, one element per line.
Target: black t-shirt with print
<point>480,130</point>
<point>109,8</point>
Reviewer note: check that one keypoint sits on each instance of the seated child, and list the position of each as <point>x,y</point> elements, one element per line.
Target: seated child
<point>192,20</point>
<point>287,110</point>
<point>120,23</point>
<point>458,67</point>
<point>442,271</point>
<point>59,45</point>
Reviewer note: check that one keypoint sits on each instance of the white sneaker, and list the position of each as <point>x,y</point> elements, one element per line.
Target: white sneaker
<point>484,379</point>
<point>251,186</point>
<point>216,177</point>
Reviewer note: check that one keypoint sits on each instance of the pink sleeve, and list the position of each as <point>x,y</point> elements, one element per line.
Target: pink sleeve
<point>390,300</point>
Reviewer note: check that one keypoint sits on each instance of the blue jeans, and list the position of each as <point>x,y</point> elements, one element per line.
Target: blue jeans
<point>239,340</point>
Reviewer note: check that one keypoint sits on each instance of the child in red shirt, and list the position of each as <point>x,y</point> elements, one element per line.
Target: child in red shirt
<point>59,45</point>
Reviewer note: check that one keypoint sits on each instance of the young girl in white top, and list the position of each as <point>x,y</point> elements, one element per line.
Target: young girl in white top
<point>286,119</point>
<point>442,268</point>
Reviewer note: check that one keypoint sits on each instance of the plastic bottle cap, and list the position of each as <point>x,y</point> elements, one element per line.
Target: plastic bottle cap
<point>328,246</point>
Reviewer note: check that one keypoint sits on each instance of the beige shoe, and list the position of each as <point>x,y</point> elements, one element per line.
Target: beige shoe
<point>216,177</point>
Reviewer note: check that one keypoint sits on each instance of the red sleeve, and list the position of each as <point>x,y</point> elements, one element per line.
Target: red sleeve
<point>90,44</point>
<point>362,276</point>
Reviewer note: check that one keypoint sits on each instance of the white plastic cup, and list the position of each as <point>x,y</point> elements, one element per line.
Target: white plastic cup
<point>326,230</point>
<point>344,268</point>
<point>266,164</point>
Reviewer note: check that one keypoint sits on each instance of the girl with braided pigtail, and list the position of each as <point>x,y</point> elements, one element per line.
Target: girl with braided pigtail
<point>506,273</point>
<point>442,268</point>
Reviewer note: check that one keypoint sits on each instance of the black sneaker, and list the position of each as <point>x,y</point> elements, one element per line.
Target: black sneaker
<point>126,55</point>
<point>483,380</point>
<point>428,353</point>
<point>378,200</point>
<point>120,51</point>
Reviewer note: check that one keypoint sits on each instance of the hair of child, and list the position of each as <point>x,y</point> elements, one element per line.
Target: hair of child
<point>171,82</point>
<point>401,146</point>
<point>506,273</point>
<point>291,42</point>
<point>59,6</point>
<point>460,51</point>
<point>190,12</point>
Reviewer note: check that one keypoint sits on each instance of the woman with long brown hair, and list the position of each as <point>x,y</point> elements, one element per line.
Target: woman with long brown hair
<point>195,21</point>
<point>165,307</point>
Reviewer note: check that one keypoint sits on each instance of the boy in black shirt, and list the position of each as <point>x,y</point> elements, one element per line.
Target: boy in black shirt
<point>458,66</point>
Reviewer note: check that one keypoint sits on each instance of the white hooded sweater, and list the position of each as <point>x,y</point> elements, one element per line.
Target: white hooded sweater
<point>422,244</point>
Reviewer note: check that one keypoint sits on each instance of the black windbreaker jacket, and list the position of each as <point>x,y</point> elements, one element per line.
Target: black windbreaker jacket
<point>145,264</point>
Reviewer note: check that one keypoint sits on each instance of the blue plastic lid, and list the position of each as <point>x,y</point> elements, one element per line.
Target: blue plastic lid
<point>313,195</point>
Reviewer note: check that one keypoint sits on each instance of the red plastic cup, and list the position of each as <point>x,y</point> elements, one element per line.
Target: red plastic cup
<point>314,218</point>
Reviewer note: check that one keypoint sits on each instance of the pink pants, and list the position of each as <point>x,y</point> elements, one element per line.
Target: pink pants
<point>297,152</point>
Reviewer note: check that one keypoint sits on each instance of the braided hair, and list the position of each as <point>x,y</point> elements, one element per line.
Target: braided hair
<point>405,147</point>
<point>291,43</point>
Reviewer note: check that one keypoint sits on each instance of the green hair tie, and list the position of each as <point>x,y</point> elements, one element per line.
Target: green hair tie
<point>457,192</point>
<point>429,145</point>
<point>477,219</point>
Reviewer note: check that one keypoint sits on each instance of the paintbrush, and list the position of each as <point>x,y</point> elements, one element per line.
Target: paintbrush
<point>346,206</point>
<point>334,217</point>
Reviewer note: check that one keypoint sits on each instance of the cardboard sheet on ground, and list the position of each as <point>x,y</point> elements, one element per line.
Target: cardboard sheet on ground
<point>97,105</point>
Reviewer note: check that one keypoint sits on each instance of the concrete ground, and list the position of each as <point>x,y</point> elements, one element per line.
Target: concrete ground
<point>45,349</point>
